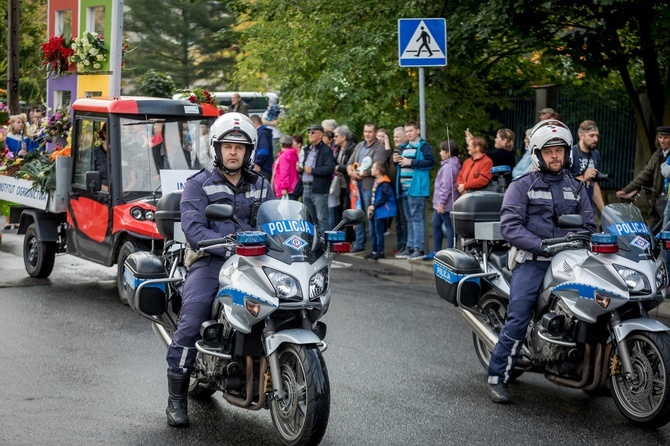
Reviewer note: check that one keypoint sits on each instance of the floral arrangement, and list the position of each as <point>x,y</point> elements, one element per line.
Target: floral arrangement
<point>6,157</point>
<point>56,52</point>
<point>200,96</point>
<point>58,125</point>
<point>41,171</point>
<point>89,51</point>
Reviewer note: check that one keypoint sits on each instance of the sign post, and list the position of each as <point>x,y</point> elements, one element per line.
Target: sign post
<point>422,43</point>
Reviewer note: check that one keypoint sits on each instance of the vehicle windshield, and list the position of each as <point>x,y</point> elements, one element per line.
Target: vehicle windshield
<point>150,145</point>
<point>635,238</point>
<point>290,227</point>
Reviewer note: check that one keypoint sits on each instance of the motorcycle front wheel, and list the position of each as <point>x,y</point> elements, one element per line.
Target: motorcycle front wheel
<point>496,307</point>
<point>645,399</point>
<point>301,417</point>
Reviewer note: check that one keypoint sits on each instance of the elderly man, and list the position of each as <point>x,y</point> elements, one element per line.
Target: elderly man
<point>238,105</point>
<point>316,168</point>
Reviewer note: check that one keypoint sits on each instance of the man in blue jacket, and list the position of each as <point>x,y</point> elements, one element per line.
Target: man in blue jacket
<point>414,163</point>
<point>318,166</point>
<point>530,210</point>
<point>232,146</point>
<point>264,158</point>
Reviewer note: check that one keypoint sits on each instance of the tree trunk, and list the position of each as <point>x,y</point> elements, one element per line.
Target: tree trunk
<point>13,56</point>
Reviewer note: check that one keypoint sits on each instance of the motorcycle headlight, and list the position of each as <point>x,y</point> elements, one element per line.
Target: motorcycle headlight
<point>318,283</point>
<point>661,276</point>
<point>635,280</point>
<point>286,287</point>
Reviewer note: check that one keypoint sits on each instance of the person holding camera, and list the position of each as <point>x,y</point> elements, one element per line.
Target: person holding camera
<point>586,162</point>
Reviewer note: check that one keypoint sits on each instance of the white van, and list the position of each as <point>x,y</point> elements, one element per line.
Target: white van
<point>258,102</point>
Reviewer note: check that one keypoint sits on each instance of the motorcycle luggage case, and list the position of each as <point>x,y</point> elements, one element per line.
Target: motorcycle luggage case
<point>168,217</point>
<point>476,207</point>
<point>142,266</point>
<point>450,267</point>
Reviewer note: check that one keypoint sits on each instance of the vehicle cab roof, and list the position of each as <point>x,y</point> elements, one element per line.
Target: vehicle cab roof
<point>140,105</point>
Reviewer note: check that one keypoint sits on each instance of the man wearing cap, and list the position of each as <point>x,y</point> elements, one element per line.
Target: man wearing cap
<point>586,161</point>
<point>651,176</point>
<point>373,148</point>
<point>317,167</point>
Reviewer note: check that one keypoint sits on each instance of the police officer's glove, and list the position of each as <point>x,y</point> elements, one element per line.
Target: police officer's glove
<point>549,250</point>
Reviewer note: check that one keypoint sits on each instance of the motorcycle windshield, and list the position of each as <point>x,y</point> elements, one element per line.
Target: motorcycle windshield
<point>290,231</point>
<point>625,220</point>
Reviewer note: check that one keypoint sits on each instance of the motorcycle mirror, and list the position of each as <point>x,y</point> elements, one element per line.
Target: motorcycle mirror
<point>570,221</point>
<point>219,212</point>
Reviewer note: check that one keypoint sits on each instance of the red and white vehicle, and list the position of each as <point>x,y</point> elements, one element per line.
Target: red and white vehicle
<point>104,224</point>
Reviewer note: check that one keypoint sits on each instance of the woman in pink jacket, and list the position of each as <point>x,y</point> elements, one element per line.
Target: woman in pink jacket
<point>285,173</point>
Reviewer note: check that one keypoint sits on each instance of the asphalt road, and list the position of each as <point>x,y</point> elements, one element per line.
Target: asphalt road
<point>79,368</point>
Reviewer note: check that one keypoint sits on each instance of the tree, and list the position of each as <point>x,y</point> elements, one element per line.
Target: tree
<point>33,31</point>
<point>158,85</point>
<point>601,37</point>
<point>340,60</point>
<point>190,40</point>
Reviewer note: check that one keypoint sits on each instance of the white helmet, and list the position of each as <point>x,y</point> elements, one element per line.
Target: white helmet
<point>236,128</point>
<point>549,133</point>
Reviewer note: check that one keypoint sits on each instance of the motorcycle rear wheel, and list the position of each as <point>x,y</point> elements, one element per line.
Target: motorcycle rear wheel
<point>491,302</point>
<point>645,400</point>
<point>301,417</point>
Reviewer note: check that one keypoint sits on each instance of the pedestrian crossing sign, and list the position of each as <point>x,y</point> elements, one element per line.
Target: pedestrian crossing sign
<point>422,42</point>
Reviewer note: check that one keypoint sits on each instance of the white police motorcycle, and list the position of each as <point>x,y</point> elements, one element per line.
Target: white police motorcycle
<point>263,346</point>
<point>590,326</point>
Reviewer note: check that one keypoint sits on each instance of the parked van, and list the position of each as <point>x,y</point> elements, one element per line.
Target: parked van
<point>258,102</point>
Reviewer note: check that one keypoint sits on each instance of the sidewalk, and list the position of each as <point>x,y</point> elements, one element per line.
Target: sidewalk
<point>421,271</point>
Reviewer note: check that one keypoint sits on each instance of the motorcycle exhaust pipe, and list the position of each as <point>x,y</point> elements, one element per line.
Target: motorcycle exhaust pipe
<point>163,335</point>
<point>483,331</point>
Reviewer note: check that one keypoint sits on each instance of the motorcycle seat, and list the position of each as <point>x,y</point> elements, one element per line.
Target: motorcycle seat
<point>499,260</point>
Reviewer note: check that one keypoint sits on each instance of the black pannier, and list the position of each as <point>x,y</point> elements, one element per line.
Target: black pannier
<point>450,267</point>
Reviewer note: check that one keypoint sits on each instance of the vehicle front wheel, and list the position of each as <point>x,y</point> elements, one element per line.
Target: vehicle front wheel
<point>301,417</point>
<point>645,398</point>
<point>38,256</point>
<point>125,290</point>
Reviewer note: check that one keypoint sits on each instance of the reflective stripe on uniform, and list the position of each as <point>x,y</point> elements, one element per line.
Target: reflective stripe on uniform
<point>539,194</point>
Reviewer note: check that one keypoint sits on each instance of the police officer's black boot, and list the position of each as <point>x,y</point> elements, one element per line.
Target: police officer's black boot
<point>177,399</point>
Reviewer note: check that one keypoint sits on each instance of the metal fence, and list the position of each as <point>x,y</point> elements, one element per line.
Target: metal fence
<point>610,110</point>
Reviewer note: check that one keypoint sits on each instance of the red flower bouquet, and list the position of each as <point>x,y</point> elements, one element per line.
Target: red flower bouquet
<point>200,95</point>
<point>56,53</point>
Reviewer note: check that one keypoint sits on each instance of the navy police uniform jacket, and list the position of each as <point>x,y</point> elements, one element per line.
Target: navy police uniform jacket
<point>210,187</point>
<point>533,203</point>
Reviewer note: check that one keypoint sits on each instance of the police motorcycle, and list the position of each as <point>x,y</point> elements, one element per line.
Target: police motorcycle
<point>590,327</point>
<point>263,346</point>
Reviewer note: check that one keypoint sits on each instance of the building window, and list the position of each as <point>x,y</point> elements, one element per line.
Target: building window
<point>64,23</point>
<point>62,98</point>
<point>95,20</point>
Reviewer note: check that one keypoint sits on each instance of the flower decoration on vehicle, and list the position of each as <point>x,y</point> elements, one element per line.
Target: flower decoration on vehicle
<point>58,125</point>
<point>199,96</point>
<point>56,54</point>
<point>89,51</point>
<point>6,156</point>
<point>41,171</point>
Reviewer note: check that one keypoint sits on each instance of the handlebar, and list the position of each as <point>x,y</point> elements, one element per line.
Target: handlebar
<point>581,236</point>
<point>216,241</point>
